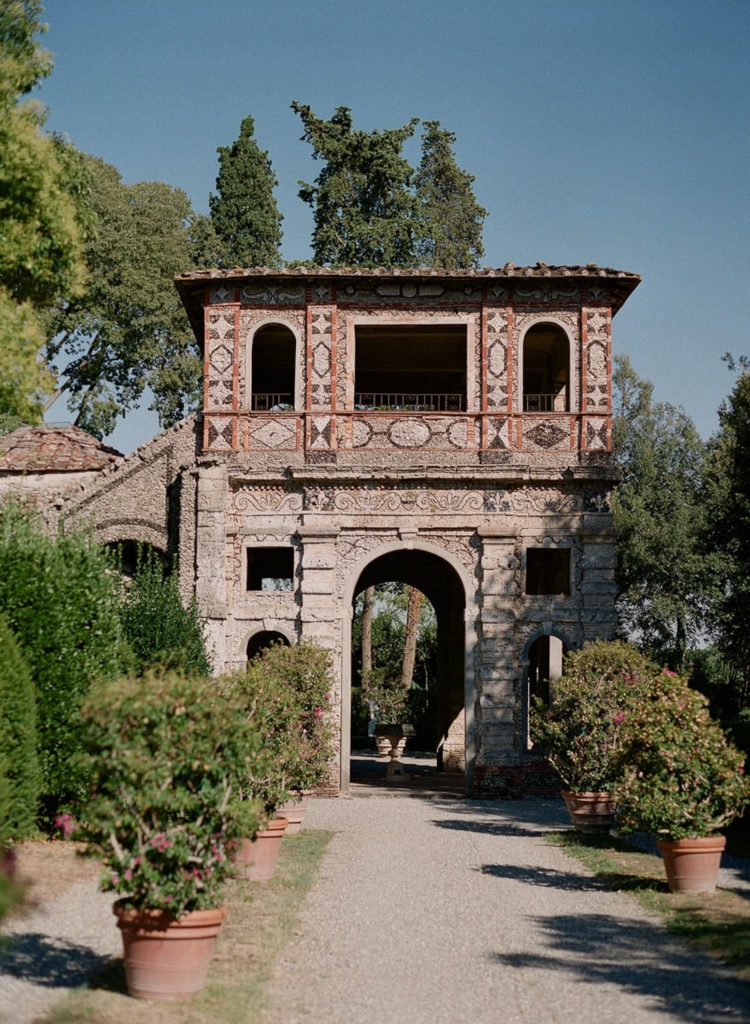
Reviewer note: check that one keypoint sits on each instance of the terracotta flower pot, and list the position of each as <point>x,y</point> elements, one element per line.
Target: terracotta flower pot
<point>165,957</point>
<point>256,858</point>
<point>294,811</point>
<point>591,813</point>
<point>692,865</point>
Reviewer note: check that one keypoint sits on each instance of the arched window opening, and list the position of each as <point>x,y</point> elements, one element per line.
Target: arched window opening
<point>130,554</point>
<point>546,369</point>
<point>260,642</point>
<point>272,370</point>
<point>545,667</point>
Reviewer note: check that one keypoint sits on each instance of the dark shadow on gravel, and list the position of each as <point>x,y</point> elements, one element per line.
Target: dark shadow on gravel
<point>522,818</point>
<point>49,962</point>
<point>569,880</point>
<point>637,957</point>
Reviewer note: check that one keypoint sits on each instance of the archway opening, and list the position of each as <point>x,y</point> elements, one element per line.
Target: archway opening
<point>432,662</point>
<point>546,369</point>
<point>260,642</point>
<point>272,370</point>
<point>546,656</point>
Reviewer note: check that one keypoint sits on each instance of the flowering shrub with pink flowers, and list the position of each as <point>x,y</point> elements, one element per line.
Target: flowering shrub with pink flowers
<point>581,732</point>
<point>287,693</point>
<point>679,777</point>
<point>168,757</point>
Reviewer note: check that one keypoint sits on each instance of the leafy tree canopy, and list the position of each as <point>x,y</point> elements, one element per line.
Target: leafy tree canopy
<point>244,213</point>
<point>40,230</point>
<point>727,536</point>
<point>363,206</point>
<point>662,575</point>
<point>127,331</point>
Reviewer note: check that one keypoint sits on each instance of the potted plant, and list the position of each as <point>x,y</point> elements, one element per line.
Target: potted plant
<point>680,779</point>
<point>303,674</point>
<point>580,732</point>
<point>167,756</point>
<point>387,700</point>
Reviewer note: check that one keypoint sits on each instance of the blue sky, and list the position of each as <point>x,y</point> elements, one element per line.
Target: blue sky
<point>598,131</point>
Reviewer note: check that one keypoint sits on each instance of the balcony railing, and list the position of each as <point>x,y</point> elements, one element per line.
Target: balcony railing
<point>382,401</point>
<point>544,403</point>
<point>270,401</point>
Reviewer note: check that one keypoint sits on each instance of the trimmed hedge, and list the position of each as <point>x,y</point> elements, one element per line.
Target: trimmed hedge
<point>61,598</point>
<point>19,766</point>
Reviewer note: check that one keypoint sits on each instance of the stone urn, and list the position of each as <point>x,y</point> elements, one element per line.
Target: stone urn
<point>396,733</point>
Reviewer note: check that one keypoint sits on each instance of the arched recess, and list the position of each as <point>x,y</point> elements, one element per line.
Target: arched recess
<point>543,660</point>
<point>262,639</point>
<point>273,383</point>
<point>443,580</point>
<point>546,369</point>
<point>130,553</point>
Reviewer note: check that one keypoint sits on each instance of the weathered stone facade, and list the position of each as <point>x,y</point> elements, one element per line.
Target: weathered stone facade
<point>450,430</point>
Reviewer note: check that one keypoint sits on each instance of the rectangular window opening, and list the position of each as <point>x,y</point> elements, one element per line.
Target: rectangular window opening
<point>270,568</point>
<point>410,368</point>
<point>548,571</point>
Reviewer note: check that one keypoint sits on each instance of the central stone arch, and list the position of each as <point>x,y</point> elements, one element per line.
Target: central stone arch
<point>442,579</point>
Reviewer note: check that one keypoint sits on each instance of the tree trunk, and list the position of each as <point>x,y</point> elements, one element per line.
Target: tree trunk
<point>413,609</point>
<point>367,607</point>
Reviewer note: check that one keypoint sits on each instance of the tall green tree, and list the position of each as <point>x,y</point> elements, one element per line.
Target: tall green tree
<point>450,218</point>
<point>127,331</point>
<point>727,533</point>
<point>363,204</point>
<point>662,576</point>
<point>41,254</point>
<point>244,213</point>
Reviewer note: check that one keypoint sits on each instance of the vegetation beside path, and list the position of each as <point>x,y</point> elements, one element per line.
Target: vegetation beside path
<point>261,919</point>
<point>718,924</point>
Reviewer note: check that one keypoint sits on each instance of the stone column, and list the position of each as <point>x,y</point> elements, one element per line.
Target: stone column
<point>211,557</point>
<point>320,621</point>
<point>497,662</point>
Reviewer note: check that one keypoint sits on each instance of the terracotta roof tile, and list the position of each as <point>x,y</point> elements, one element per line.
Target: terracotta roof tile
<point>54,449</point>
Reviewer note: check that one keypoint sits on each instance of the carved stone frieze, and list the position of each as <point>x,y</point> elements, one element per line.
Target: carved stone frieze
<point>265,293</point>
<point>534,501</point>
<point>266,498</point>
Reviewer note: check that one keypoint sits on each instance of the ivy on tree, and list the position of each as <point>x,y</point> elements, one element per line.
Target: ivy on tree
<point>244,213</point>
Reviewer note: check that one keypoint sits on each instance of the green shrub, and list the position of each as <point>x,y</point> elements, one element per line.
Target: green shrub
<point>61,600</point>
<point>158,627</point>
<point>581,732</point>
<point>287,693</point>
<point>681,778</point>
<point>19,802</point>
<point>167,757</point>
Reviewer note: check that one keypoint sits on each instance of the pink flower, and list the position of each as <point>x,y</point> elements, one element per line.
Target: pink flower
<point>618,718</point>
<point>66,823</point>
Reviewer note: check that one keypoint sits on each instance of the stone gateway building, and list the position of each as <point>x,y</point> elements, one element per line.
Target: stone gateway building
<point>450,430</point>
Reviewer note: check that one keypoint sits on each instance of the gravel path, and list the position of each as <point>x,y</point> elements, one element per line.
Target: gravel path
<point>450,912</point>
<point>431,911</point>
<point>54,949</point>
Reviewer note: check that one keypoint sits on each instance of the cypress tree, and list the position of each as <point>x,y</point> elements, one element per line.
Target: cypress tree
<point>450,219</point>
<point>243,210</point>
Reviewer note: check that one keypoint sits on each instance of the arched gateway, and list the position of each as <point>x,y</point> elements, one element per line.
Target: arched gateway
<point>448,429</point>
